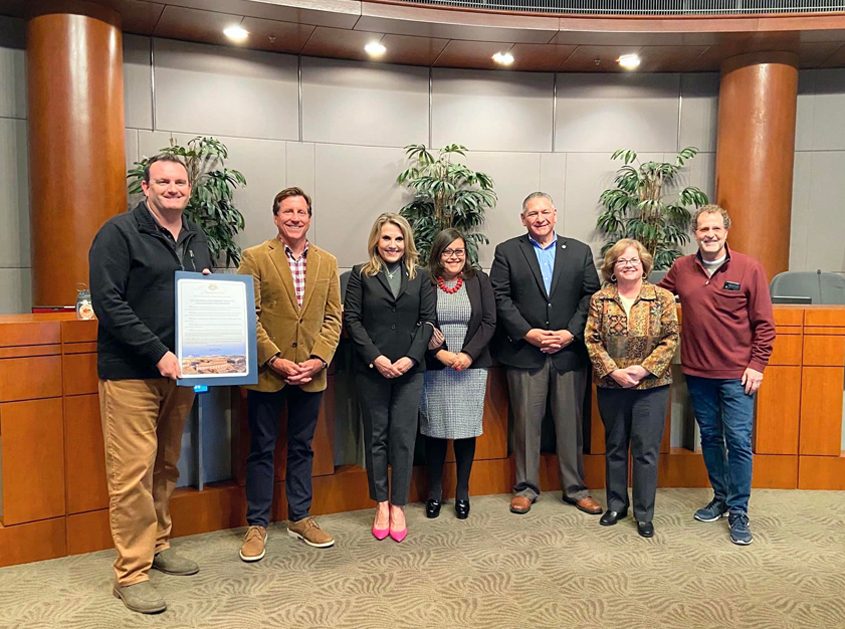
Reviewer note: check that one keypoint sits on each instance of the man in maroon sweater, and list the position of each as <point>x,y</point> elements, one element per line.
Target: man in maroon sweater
<point>726,341</point>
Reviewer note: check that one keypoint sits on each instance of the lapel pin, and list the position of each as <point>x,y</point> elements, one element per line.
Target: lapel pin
<point>563,246</point>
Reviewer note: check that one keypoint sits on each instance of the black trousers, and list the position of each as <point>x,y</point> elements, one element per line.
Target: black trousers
<point>264,412</point>
<point>390,413</point>
<point>634,418</point>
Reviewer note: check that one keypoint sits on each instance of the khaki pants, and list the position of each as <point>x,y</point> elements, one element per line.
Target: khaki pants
<point>142,432</point>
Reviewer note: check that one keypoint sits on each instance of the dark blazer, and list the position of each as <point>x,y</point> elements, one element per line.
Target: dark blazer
<point>380,324</point>
<point>522,302</point>
<point>480,327</point>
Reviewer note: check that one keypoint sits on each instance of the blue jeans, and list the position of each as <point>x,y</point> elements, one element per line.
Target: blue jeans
<point>725,415</point>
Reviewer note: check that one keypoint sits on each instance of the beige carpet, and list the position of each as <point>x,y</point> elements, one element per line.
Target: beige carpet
<point>555,567</point>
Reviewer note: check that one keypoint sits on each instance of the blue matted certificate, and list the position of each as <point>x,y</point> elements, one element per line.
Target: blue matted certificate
<point>215,329</point>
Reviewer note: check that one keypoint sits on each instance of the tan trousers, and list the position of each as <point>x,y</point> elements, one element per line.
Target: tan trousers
<point>142,432</point>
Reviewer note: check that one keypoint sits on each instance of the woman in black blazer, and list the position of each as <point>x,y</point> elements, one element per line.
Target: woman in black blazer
<point>389,311</point>
<point>455,384</point>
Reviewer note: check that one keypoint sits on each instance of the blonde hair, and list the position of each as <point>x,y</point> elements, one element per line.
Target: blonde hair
<point>410,258</point>
<point>617,249</point>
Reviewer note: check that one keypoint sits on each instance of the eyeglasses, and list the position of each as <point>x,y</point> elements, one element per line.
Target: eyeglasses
<point>458,253</point>
<point>626,262</point>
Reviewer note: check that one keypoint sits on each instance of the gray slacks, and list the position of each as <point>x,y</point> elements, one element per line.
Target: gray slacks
<point>390,413</point>
<point>636,417</point>
<point>531,390</point>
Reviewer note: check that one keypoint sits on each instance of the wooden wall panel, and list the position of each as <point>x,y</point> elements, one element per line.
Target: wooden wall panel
<point>79,331</point>
<point>787,349</point>
<point>30,378</point>
<point>824,351</point>
<point>33,460</point>
<point>493,444</point>
<point>825,316</point>
<point>778,410</point>
<point>345,490</point>
<point>821,472</point>
<point>682,468</point>
<point>34,541</point>
<point>26,351</point>
<point>821,410</point>
<point>218,506</point>
<point>18,330</point>
<point>79,373</point>
<point>85,468</point>
<point>789,316</point>
<point>88,532</point>
<point>775,471</point>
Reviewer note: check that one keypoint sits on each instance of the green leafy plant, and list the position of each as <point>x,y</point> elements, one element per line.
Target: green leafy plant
<point>447,193</point>
<point>213,185</point>
<point>637,206</point>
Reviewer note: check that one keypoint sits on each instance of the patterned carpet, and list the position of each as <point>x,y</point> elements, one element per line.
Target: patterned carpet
<point>555,567</point>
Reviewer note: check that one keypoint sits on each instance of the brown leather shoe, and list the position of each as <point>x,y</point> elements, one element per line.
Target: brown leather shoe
<point>521,504</point>
<point>586,504</point>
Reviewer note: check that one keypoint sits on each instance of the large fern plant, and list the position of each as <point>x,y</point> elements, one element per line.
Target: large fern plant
<point>447,193</point>
<point>211,206</point>
<point>638,205</point>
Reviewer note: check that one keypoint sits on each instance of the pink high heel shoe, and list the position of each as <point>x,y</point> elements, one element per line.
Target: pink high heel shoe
<point>380,534</point>
<point>398,535</point>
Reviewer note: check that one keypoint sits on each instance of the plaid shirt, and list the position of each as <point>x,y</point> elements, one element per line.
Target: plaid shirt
<point>297,271</point>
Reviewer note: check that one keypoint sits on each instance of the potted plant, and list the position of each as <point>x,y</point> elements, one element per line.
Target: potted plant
<point>213,186</point>
<point>447,193</point>
<point>637,206</point>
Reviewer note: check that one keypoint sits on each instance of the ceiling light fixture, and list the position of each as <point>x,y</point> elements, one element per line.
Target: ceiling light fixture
<point>630,61</point>
<point>503,58</point>
<point>236,33</point>
<point>375,48</point>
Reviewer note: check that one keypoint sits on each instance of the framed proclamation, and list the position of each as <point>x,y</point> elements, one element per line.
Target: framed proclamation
<point>215,329</point>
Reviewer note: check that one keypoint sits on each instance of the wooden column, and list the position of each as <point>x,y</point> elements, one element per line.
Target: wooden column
<point>755,153</point>
<point>76,140</point>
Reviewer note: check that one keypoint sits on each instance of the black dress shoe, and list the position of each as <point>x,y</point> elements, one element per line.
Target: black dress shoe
<point>432,508</point>
<point>612,517</point>
<point>462,509</point>
<point>645,529</point>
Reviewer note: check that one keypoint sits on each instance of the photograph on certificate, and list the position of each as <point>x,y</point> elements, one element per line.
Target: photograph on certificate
<point>215,331</point>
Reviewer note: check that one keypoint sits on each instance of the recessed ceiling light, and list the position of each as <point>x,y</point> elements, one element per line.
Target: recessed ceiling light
<point>375,48</point>
<point>503,58</point>
<point>236,33</point>
<point>630,61</point>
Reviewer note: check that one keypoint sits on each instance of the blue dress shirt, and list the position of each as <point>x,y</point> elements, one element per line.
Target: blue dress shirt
<point>546,260</point>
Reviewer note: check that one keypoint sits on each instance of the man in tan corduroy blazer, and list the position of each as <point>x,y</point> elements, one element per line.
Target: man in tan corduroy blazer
<point>297,301</point>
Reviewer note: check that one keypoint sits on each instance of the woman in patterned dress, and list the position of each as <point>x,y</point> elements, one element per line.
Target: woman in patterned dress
<point>631,335</point>
<point>456,379</point>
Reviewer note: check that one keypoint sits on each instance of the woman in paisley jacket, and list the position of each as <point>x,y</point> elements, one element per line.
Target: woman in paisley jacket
<point>631,335</point>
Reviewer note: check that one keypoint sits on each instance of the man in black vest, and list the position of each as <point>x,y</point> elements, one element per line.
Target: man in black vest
<point>543,283</point>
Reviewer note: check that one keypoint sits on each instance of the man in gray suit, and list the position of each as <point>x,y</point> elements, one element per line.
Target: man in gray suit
<point>543,283</point>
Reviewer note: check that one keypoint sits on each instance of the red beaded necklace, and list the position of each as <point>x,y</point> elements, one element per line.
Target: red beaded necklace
<point>441,284</point>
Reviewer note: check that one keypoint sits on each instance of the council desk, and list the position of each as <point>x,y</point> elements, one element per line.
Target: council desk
<point>54,498</point>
